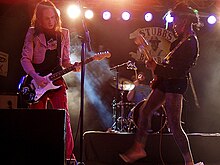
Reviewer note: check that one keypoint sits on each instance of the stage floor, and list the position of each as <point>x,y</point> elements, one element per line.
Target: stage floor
<point>103,148</point>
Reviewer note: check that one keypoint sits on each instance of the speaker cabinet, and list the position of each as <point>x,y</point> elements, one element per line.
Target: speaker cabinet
<point>33,137</point>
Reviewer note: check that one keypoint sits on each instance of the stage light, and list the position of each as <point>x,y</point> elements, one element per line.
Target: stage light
<point>125,15</point>
<point>212,19</point>
<point>73,11</point>
<point>89,14</point>
<point>148,17</point>
<point>106,15</point>
<point>169,18</point>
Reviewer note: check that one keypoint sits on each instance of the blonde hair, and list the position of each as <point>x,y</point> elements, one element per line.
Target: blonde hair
<point>38,11</point>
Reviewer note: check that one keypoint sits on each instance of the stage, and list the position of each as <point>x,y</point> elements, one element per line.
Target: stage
<point>103,148</point>
<point>29,137</point>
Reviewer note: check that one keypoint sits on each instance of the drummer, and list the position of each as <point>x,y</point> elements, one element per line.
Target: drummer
<point>141,89</point>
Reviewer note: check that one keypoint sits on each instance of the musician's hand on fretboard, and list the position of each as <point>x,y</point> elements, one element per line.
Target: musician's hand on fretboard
<point>77,67</point>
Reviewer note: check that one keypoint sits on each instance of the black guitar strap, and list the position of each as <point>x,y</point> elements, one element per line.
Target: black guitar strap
<point>59,46</point>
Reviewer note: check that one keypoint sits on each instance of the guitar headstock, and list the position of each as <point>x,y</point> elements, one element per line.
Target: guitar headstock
<point>101,55</point>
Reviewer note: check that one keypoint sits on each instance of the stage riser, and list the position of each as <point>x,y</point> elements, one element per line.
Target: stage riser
<point>33,137</point>
<point>103,149</point>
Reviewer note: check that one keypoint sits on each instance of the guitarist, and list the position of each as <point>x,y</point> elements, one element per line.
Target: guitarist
<point>171,84</point>
<point>46,49</point>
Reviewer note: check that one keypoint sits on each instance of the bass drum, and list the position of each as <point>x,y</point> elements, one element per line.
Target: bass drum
<point>158,119</point>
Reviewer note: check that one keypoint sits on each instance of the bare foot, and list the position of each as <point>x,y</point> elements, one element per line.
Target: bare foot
<point>132,155</point>
<point>200,163</point>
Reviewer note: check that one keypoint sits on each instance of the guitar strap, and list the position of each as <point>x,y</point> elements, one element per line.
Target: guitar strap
<point>169,55</point>
<point>59,46</point>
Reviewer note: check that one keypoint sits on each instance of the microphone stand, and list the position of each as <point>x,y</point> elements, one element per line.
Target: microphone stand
<point>85,44</point>
<point>120,65</point>
<point>83,51</point>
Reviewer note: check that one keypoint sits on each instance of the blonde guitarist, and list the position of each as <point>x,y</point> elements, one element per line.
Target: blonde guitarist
<point>46,49</point>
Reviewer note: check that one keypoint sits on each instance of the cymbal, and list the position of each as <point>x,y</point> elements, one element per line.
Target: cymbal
<point>123,84</point>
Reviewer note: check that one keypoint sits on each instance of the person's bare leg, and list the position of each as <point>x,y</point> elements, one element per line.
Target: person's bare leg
<point>174,111</point>
<point>137,151</point>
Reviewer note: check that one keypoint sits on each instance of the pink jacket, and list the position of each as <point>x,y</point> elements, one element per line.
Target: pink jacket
<point>34,50</point>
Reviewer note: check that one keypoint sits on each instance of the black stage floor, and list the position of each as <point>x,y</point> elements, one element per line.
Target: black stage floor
<point>102,148</point>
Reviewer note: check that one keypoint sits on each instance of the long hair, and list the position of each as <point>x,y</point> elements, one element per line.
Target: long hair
<point>38,12</point>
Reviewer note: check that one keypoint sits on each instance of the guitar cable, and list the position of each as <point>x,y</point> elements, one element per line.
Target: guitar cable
<point>161,137</point>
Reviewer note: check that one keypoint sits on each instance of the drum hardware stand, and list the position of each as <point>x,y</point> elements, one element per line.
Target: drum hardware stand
<point>114,113</point>
<point>120,104</point>
<point>131,125</point>
<point>122,120</point>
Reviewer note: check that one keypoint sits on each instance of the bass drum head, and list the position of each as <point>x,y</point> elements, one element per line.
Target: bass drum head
<point>158,119</point>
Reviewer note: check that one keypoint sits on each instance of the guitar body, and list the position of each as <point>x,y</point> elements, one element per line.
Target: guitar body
<point>26,89</point>
<point>40,91</point>
<point>31,92</point>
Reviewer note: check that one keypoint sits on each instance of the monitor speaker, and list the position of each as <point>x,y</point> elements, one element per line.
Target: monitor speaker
<point>31,136</point>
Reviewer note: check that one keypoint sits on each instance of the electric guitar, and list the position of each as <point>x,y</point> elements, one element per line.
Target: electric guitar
<point>143,47</point>
<point>31,92</point>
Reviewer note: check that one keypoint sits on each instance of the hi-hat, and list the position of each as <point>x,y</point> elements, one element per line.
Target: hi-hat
<point>123,84</point>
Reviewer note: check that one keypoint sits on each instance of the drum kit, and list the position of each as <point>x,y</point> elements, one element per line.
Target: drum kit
<point>126,114</point>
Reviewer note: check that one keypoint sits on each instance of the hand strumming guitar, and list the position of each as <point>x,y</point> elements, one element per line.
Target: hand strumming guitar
<point>40,81</point>
<point>77,67</point>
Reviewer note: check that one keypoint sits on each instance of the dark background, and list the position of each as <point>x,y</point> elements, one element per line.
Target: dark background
<point>114,36</point>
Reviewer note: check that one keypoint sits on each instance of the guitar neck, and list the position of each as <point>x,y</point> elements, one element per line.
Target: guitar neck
<point>136,74</point>
<point>57,75</point>
<point>146,54</point>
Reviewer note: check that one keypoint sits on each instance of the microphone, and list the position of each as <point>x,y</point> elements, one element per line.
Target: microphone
<point>131,65</point>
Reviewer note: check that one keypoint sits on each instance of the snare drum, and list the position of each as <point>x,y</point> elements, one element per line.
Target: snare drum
<point>158,119</point>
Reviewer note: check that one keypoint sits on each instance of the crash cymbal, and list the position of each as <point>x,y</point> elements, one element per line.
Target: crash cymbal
<point>123,84</point>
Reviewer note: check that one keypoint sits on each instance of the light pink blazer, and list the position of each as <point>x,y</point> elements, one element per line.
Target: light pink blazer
<point>35,47</point>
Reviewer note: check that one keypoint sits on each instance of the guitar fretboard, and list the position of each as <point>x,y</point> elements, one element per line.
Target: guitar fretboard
<point>67,70</point>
